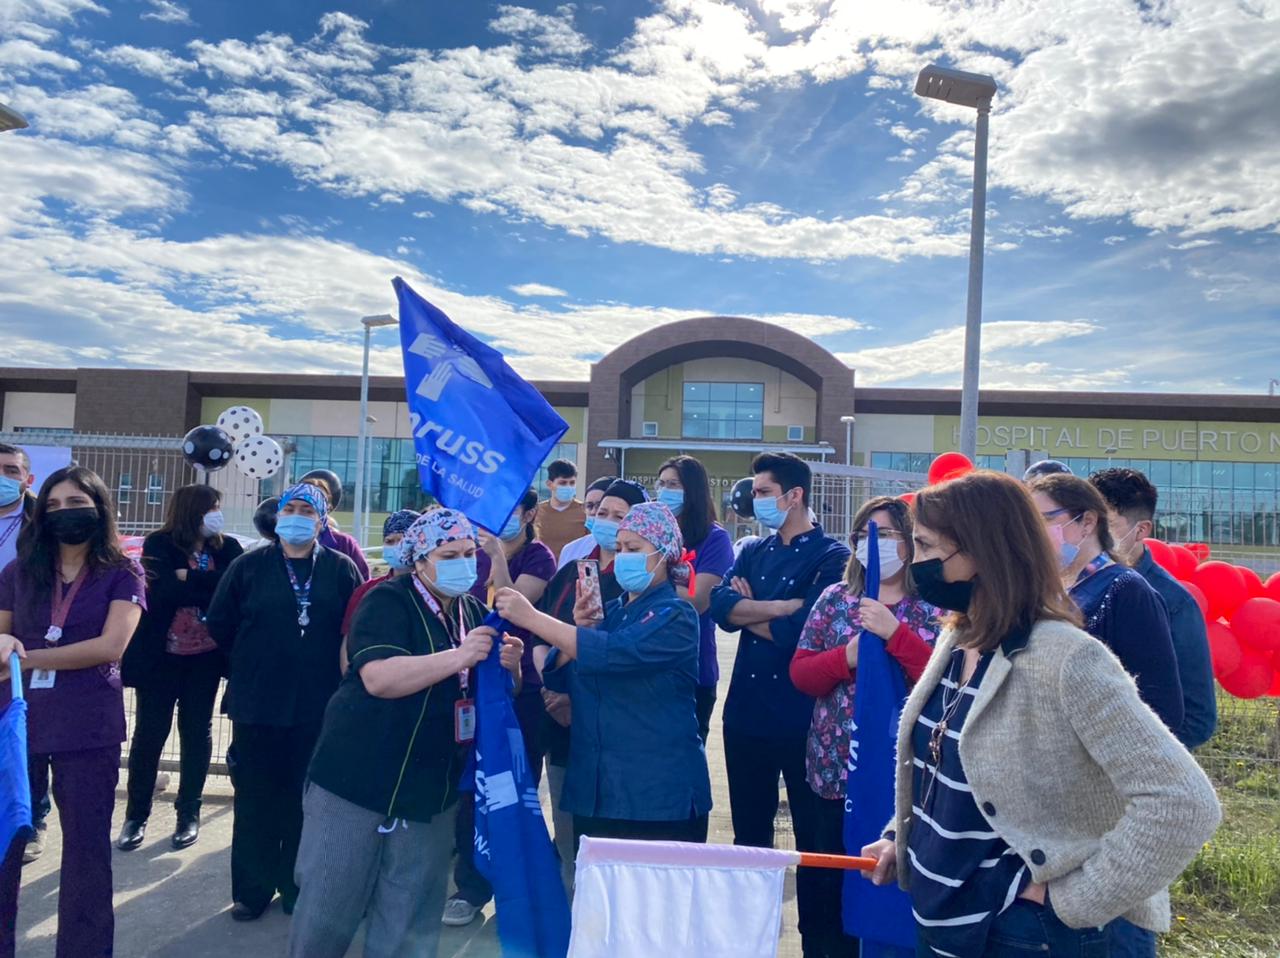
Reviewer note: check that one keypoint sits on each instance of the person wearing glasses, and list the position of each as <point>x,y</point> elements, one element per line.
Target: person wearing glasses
<point>1120,609</point>
<point>1038,799</point>
<point>825,666</point>
<point>582,547</point>
<point>684,488</point>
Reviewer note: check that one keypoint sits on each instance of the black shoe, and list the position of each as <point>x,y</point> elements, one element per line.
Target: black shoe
<point>187,832</point>
<point>242,912</point>
<point>132,835</point>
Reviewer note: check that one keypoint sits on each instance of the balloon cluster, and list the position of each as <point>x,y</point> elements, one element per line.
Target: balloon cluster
<point>1241,612</point>
<point>237,436</point>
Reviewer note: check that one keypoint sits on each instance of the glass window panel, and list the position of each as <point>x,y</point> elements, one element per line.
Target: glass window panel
<point>720,429</point>
<point>880,460</point>
<point>695,428</point>
<point>1159,473</point>
<point>1221,475</point>
<point>695,392</point>
<point>722,391</point>
<point>1180,473</point>
<point>1202,474</point>
<point>306,446</point>
<point>720,409</point>
<point>753,392</point>
<point>748,430</point>
<point>900,461</point>
<point>1242,475</point>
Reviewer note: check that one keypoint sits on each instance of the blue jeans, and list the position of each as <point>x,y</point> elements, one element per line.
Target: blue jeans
<point>1130,941</point>
<point>1027,929</point>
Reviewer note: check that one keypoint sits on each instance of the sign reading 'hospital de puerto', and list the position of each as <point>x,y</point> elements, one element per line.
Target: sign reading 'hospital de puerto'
<point>1136,439</point>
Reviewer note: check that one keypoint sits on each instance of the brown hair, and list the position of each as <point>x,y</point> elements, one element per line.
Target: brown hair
<point>991,519</point>
<point>184,518</point>
<point>1077,496</point>
<point>900,514</point>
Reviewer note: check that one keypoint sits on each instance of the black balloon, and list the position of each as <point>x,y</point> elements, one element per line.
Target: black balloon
<point>208,448</point>
<point>741,498</point>
<point>332,480</point>
<point>264,518</point>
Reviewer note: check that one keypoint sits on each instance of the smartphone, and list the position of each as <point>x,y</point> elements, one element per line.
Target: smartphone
<point>589,581</point>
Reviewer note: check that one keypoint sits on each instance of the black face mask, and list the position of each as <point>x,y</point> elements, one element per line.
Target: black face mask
<point>73,527</point>
<point>936,590</point>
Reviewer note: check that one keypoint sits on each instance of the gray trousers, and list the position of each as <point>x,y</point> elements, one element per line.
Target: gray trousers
<point>346,867</point>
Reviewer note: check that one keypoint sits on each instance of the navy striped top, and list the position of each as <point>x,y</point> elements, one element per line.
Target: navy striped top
<point>962,873</point>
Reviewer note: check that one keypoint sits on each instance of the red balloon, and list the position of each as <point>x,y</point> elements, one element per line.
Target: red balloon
<point>908,497</point>
<point>1225,650</point>
<point>1275,686</point>
<point>1197,593</point>
<point>1273,586</point>
<point>950,465</point>
<point>1251,678</point>
<point>1163,554</point>
<point>1252,582</point>
<point>1185,562</point>
<point>1257,623</point>
<point>1223,586</point>
<point>1200,550</point>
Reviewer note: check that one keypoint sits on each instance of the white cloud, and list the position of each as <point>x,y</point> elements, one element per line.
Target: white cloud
<point>537,289</point>
<point>551,34</point>
<point>166,11</point>
<point>938,358</point>
<point>1193,244</point>
<point>20,57</point>
<point>160,64</point>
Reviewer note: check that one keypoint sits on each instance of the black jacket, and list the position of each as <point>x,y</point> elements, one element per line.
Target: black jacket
<point>279,676</point>
<point>166,594</point>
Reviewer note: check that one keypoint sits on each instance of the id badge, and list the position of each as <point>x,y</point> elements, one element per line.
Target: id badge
<point>43,678</point>
<point>464,721</point>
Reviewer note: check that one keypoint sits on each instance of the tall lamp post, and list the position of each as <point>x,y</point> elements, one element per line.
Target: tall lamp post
<point>9,120</point>
<point>973,90</point>
<point>368,322</point>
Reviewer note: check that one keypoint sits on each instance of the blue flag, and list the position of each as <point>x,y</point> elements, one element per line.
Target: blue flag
<point>15,787</point>
<point>480,432</point>
<point>879,915</point>
<point>513,850</point>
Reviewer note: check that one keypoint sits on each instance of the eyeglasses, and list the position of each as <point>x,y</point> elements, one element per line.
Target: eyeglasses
<point>668,484</point>
<point>892,535</point>
<point>1054,513</point>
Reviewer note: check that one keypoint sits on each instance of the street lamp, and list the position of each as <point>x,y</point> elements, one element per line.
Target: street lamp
<point>9,120</point>
<point>848,438</point>
<point>368,322</point>
<point>973,90</point>
<point>363,518</point>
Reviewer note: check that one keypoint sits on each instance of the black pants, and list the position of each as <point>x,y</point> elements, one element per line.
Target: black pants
<point>472,886</point>
<point>191,683</point>
<point>753,765</point>
<point>692,829</point>
<point>704,705</point>
<point>271,767</point>
<point>829,882</point>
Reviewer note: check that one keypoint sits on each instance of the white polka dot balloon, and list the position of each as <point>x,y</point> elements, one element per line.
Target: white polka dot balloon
<point>241,423</point>
<point>259,457</point>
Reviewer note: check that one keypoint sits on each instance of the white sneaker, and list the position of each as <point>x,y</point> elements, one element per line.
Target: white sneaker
<point>459,912</point>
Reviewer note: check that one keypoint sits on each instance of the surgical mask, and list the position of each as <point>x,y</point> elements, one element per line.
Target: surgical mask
<point>10,490</point>
<point>673,499</point>
<point>936,590</point>
<point>455,576</point>
<point>767,511</point>
<point>513,528</point>
<point>605,532</point>
<point>589,522</point>
<point>297,530</point>
<point>394,558</point>
<point>565,493</point>
<point>890,561</point>
<point>212,523</point>
<point>1067,551</point>
<point>73,527</point>
<point>631,569</point>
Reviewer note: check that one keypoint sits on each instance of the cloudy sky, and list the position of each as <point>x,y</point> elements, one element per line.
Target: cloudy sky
<point>232,185</point>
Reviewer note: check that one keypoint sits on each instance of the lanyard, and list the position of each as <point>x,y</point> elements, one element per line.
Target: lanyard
<point>60,604</point>
<point>439,613</point>
<point>301,592</point>
<point>14,524</point>
<point>1093,568</point>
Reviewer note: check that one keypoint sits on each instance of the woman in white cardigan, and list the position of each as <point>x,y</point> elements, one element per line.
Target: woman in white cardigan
<point>1038,798</point>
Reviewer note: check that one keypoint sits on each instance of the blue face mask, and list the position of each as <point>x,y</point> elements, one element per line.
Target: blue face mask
<point>296,530</point>
<point>631,569</point>
<point>767,512</point>
<point>589,522</point>
<point>10,490</point>
<point>565,493</point>
<point>394,559</point>
<point>673,499</point>
<point>605,532</point>
<point>513,528</point>
<point>455,576</point>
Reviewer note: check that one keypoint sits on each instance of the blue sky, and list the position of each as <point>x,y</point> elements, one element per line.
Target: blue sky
<point>232,185</point>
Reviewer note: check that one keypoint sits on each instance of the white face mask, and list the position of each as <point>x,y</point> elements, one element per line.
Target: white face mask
<point>213,523</point>
<point>890,561</point>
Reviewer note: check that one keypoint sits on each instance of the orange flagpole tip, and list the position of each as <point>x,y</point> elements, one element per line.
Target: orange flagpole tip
<point>845,862</point>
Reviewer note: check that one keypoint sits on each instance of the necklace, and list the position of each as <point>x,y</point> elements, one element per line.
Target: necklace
<point>949,709</point>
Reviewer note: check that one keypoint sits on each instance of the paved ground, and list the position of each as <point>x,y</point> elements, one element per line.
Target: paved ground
<point>176,904</point>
